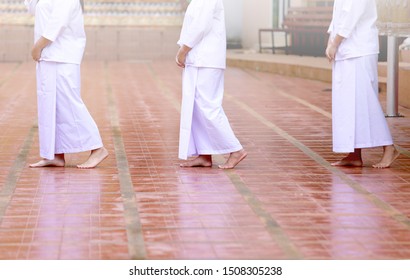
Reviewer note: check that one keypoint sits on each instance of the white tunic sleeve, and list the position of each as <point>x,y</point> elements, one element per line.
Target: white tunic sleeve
<point>330,29</point>
<point>352,12</point>
<point>331,25</point>
<point>60,18</point>
<point>31,6</point>
<point>198,22</point>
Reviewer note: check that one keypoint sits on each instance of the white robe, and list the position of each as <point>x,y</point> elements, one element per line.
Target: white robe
<point>65,125</point>
<point>205,129</point>
<point>358,119</point>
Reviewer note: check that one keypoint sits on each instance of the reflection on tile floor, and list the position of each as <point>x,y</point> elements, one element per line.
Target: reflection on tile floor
<point>283,202</point>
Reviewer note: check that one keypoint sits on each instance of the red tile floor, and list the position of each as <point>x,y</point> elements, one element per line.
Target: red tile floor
<point>285,201</point>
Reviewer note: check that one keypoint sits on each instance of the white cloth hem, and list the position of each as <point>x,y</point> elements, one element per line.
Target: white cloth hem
<point>79,150</point>
<point>363,146</point>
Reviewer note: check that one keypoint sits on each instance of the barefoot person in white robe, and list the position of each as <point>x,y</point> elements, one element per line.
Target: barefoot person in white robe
<point>65,125</point>
<point>358,119</point>
<point>205,129</point>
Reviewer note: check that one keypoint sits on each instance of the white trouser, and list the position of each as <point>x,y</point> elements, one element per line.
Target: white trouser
<point>358,119</point>
<point>205,129</point>
<point>65,125</point>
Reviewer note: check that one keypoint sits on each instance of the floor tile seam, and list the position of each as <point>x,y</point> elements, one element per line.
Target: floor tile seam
<point>270,224</point>
<point>311,106</point>
<point>136,246</point>
<point>63,213</point>
<point>333,214</point>
<point>187,202</point>
<point>104,229</point>
<point>190,193</point>
<point>64,243</point>
<point>195,215</point>
<point>63,228</point>
<point>20,206</point>
<point>391,211</point>
<point>342,226</point>
<point>213,242</point>
<point>93,193</point>
<point>15,172</point>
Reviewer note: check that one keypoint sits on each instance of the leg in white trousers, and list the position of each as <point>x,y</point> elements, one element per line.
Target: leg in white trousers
<point>65,125</point>
<point>358,119</point>
<point>205,129</point>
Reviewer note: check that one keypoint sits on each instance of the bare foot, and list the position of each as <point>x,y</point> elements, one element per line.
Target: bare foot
<point>389,156</point>
<point>347,162</point>
<point>353,159</point>
<point>200,161</point>
<point>95,158</point>
<point>58,161</point>
<point>234,159</point>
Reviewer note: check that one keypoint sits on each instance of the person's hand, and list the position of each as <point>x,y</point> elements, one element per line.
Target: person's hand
<point>36,53</point>
<point>38,48</point>
<point>181,55</point>
<point>181,58</point>
<point>331,51</point>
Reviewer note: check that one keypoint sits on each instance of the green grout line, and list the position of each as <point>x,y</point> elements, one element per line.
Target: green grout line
<point>273,228</point>
<point>402,150</point>
<point>15,172</point>
<point>136,245</point>
<point>305,103</point>
<point>392,212</point>
<point>164,91</point>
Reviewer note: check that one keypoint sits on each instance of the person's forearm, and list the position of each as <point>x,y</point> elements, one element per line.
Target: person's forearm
<point>332,47</point>
<point>182,54</point>
<point>337,41</point>
<point>38,48</point>
<point>42,43</point>
<point>185,49</point>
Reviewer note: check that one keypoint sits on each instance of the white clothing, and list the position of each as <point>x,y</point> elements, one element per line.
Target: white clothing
<point>204,31</point>
<point>356,21</point>
<point>358,119</point>
<point>205,129</point>
<point>62,22</point>
<point>65,125</point>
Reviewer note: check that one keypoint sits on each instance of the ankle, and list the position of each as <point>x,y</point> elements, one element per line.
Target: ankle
<point>389,148</point>
<point>205,157</point>
<point>59,156</point>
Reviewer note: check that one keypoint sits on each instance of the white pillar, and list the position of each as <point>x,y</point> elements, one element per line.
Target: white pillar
<point>392,105</point>
<point>234,21</point>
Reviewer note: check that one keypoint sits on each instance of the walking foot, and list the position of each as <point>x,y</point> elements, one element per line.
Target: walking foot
<point>234,159</point>
<point>353,159</point>
<point>57,162</point>
<point>200,161</point>
<point>349,163</point>
<point>95,158</point>
<point>389,156</point>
